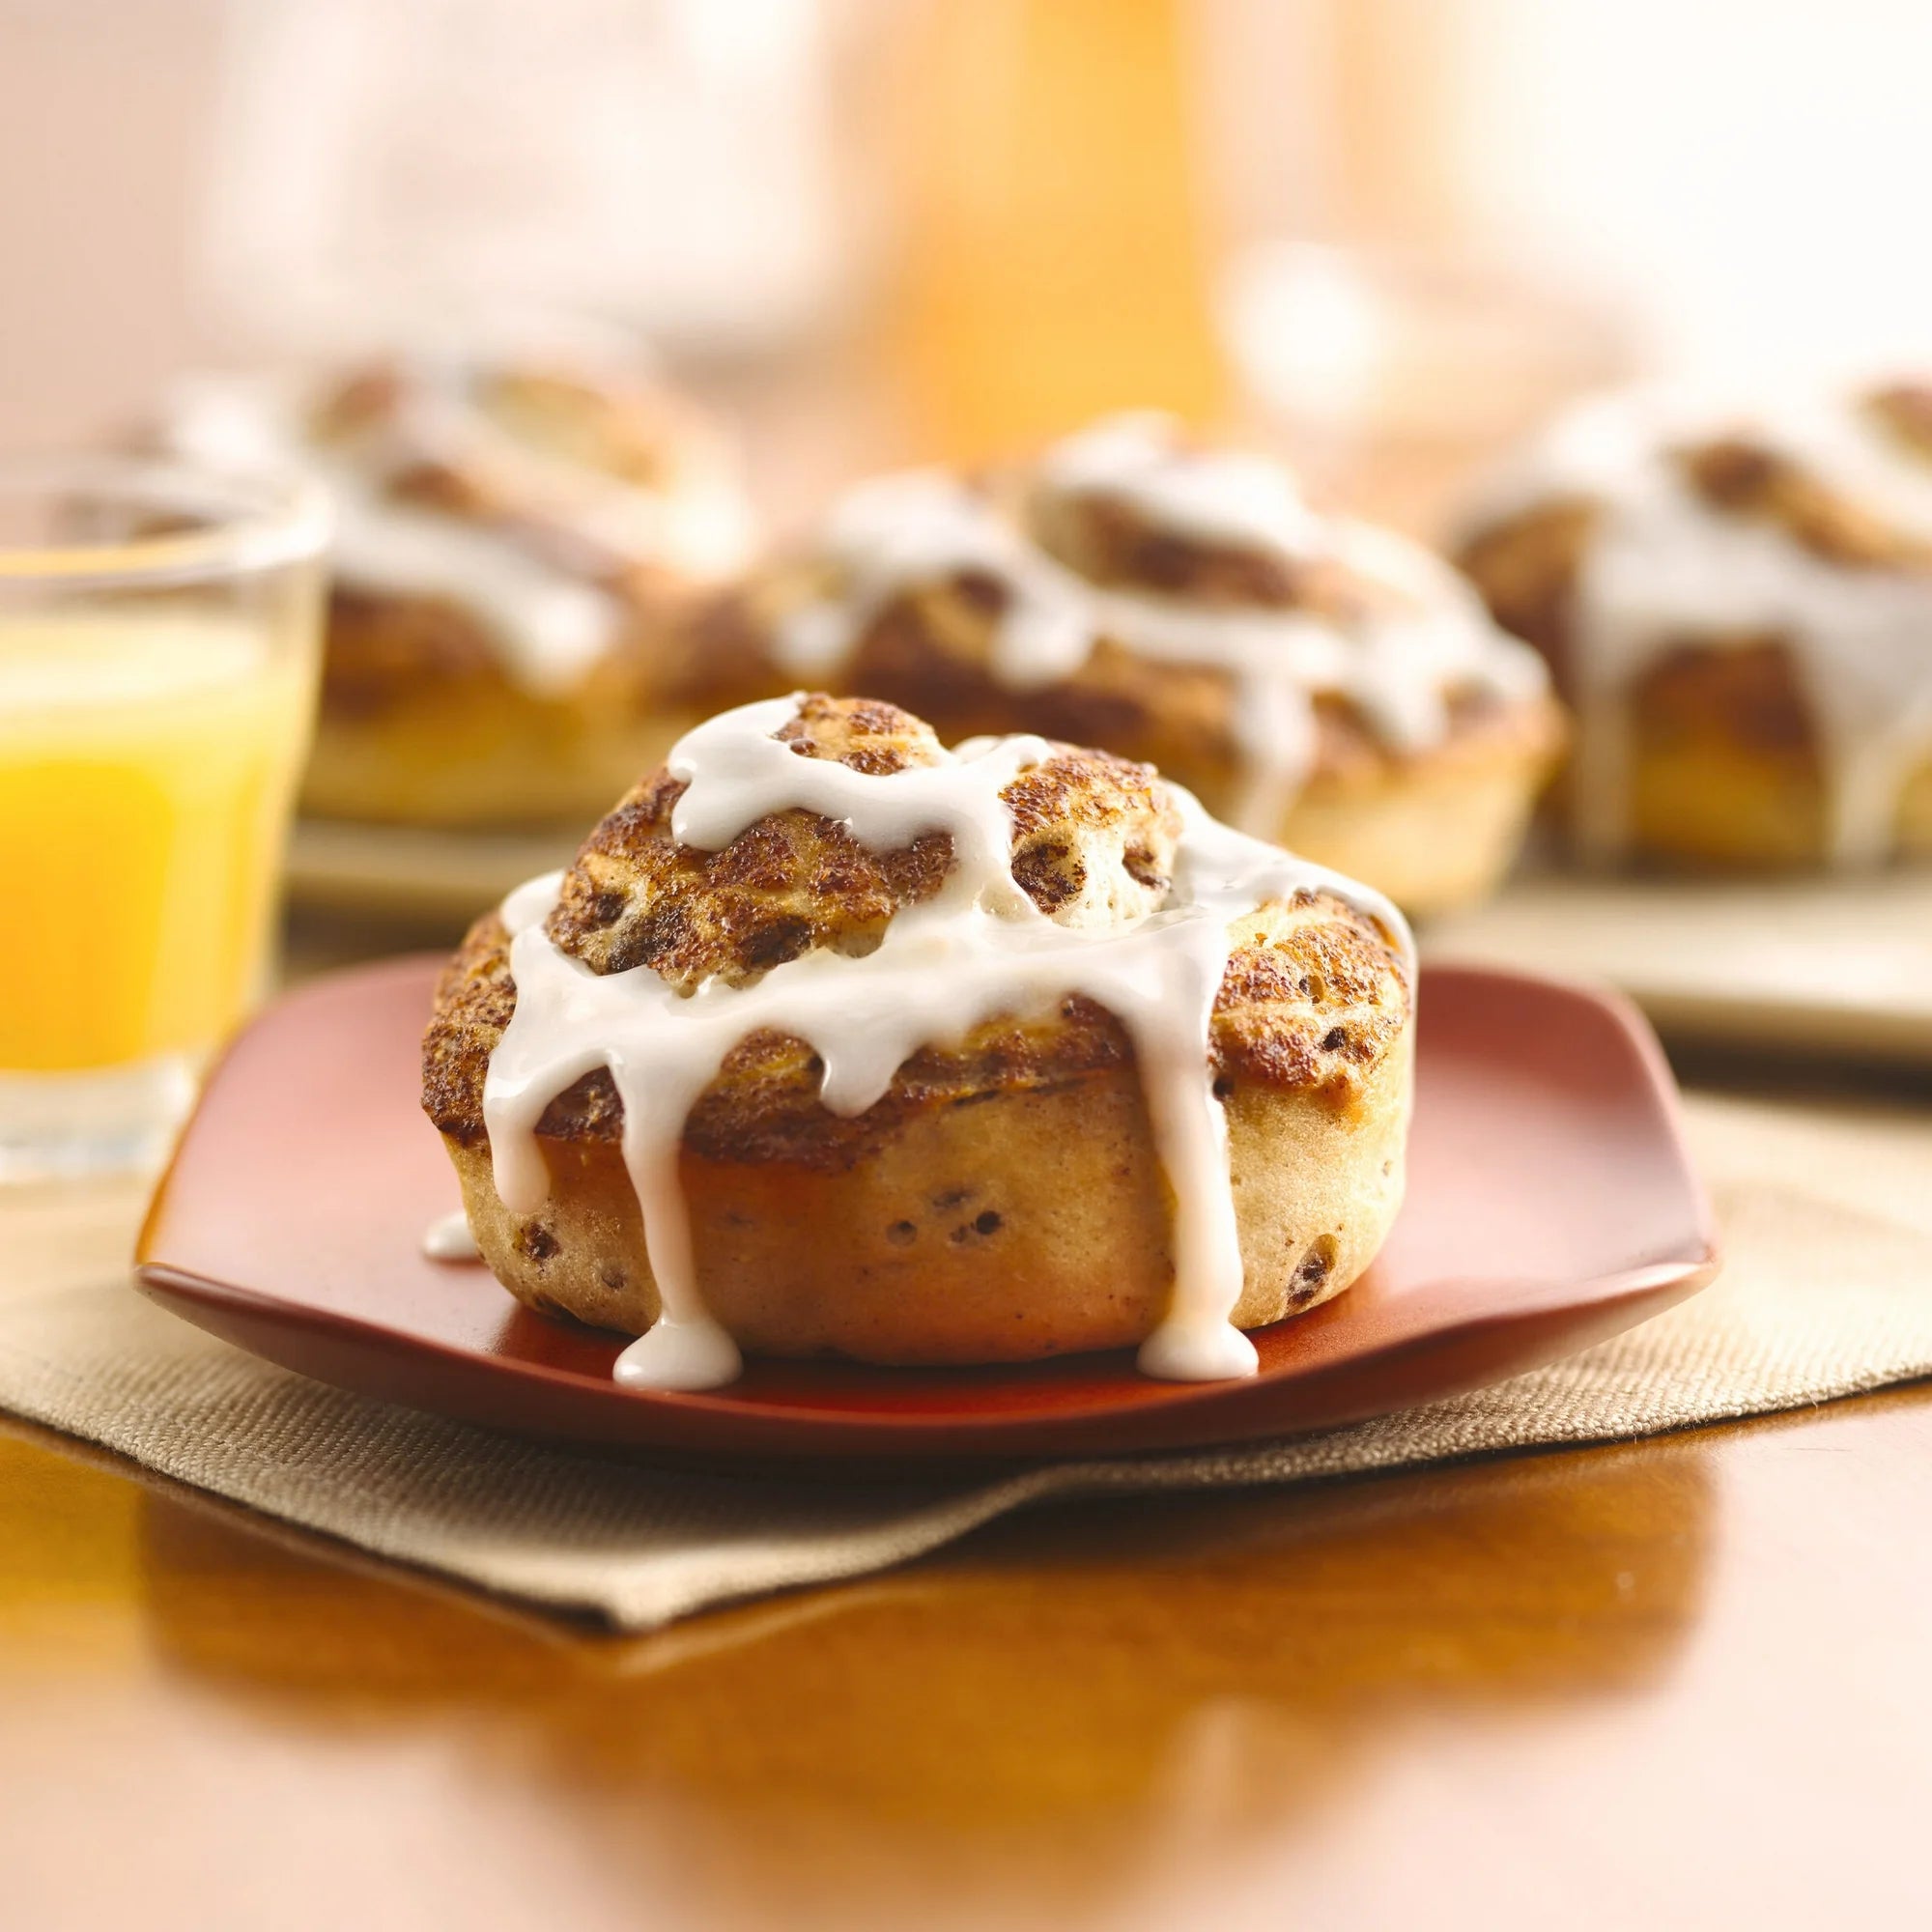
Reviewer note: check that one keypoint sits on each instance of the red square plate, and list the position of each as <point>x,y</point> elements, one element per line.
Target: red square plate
<point>1551,1203</point>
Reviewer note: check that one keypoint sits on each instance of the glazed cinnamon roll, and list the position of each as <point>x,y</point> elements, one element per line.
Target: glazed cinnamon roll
<point>833,1042</point>
<point>514,528</point>
<point>1315,680</point>
<point>1737,600</point>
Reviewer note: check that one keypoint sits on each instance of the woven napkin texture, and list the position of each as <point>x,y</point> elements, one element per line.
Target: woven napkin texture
<point>1827,1211</point>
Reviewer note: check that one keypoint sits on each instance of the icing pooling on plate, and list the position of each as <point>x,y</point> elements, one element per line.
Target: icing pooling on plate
<point>1395,662</point>
<point>550,624</point>
<point>1662,567</point>
<point>978,950</point>
<point>447,1239</point>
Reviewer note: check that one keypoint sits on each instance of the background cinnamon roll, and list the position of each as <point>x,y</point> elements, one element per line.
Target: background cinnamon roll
<point>1017,1182</point>
<point>1312,679</point>
<point>515,526</point>
<point>1737,601</point>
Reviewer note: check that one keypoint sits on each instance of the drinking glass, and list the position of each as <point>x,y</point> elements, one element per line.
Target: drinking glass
<point>158,646</point>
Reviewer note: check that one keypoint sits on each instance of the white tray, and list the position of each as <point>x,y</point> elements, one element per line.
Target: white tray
<point>1839,966</point>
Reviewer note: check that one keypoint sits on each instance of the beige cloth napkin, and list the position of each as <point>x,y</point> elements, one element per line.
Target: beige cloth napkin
<point>1828,1218</point>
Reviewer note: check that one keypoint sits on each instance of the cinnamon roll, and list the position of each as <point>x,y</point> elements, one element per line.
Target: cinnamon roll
<point>836,1042</point>
<point>1315,680</point>
<point>1737,600</point>
<point>514,529</point>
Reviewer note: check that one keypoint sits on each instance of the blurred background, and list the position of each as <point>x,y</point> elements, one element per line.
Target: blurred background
<point>1388,232</point>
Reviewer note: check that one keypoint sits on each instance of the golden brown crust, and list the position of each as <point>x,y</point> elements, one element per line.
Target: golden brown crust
<point>1106,540</point>
<point>1748,687</point>
<point>1527,568</point>
<point>1308,1003</point>
<point>1526,565</point>
<point>1313,1001</point>
<point>474,999</point>
<point>1722,754</point>
<point>423,717</point>
<point>1005,1198</point>
<point>1012,1223</point>
<point>1727,765</point>
<point>610,426</point>
<point>420,722</point>
<point>1905,410</point>
<point>1093,835</point>
<point>795,881</point>
<point>381,648</point>
<point>388,652</point>
<point>791,883</point>
<point>932,646</point>
<point>636,432</point>
<point>930,651</point>
<point>1743,479</point>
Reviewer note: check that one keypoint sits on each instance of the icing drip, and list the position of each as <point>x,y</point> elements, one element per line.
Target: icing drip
<point>980,949</point>
<point>1664,567</point>
<point>926,526</point>
<point>1395,664</point>
<point>550,627</point>
<point>448,1239</point>
<point>1219,496</point>
<point>550,624</point>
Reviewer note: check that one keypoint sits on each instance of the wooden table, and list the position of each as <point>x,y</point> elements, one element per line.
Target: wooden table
<point>1687,1682</point>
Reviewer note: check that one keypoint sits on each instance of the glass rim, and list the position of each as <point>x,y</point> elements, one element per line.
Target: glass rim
<point>266,519</point>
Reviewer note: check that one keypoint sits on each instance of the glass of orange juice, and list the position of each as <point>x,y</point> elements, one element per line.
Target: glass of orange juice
<point>159,644</point>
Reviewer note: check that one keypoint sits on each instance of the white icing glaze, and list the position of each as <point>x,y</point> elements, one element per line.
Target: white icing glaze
<point>448,1238</point>
<point>1663,566</point>
<point>926,526</point>
<point>980,949</point>
<point>1395,664</point>
<point>1219,496</point>
<point>550,624</point>
<point>550,627</point>
<point>531,901</point>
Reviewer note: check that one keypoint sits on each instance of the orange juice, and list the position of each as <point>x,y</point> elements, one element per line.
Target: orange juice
<point>1057,268</point>
<point>148,755</point>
